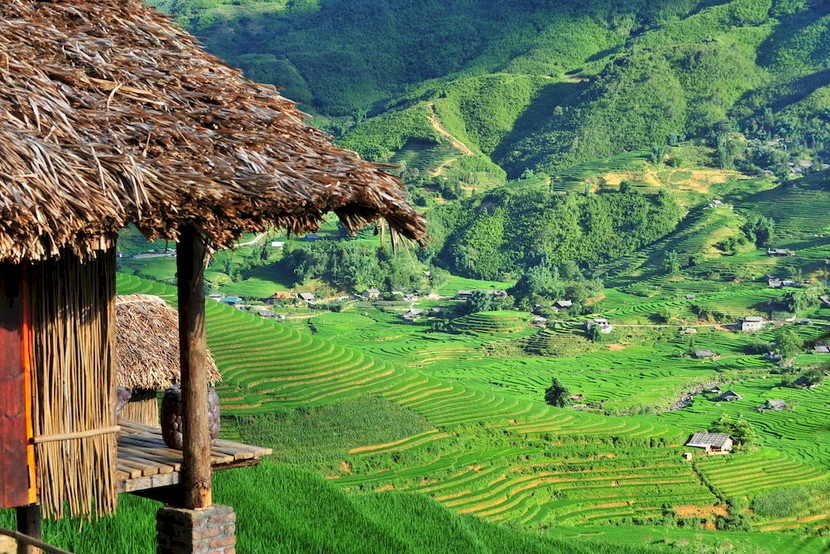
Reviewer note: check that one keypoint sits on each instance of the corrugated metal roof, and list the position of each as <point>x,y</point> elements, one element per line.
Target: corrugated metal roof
<point>703,439</point>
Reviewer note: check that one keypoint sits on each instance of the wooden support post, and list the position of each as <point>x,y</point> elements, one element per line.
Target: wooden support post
<point>190,264</point>
<point>28,523</point>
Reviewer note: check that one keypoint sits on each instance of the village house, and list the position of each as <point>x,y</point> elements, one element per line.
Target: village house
<point>825,300</point>
<point>232,301</point>
<point>140,127</point>
<point>779,252</point>
<point>371,294</point>
<point>688,331</point>
<point>776,283</point>
<point>306,296</point>
<point>821,349</point>
<point>775,405</point>
<point>704,354</point>
<point>562,305</point>
<point>711,443</point>
<point>751,323</point>
<point>465,294</point>
<point>729,396</point>
<point>279,295</point>
<point>604,326</point>
<point>412,314</point>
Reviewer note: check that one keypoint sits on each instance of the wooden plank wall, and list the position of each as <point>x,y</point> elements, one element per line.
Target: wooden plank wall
<point>14,469</point>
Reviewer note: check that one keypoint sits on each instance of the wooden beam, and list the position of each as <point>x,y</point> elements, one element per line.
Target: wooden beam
<point>28,523</point>
<point>190,265</point>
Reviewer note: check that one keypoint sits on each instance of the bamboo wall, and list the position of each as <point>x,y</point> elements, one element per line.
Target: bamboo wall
<point>143,408</point>
<point>73,323</point>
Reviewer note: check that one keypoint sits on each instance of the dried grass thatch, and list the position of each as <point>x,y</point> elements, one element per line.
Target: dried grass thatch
<point>72,309</point>
<point>147,344</point>
<point>110,113</point>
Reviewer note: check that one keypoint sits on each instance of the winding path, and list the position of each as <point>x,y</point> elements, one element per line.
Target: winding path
<point>457,144</point>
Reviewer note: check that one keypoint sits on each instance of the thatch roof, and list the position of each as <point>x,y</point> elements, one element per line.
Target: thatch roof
<point>147,344</point>
<point>110,113</point>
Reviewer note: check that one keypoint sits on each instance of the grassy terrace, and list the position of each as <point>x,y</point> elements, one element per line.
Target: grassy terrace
<point>480,441</point>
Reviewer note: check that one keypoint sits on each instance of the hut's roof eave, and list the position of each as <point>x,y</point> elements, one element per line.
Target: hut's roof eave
<point>111,114</point>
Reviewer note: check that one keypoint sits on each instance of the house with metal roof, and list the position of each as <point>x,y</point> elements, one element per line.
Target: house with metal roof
<point>777,405</point>
<point>729,396</point>
<point>712,443</point>
<point>751,323</point>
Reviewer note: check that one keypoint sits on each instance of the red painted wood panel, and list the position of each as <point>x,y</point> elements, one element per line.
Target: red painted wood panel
<point>14,474</point>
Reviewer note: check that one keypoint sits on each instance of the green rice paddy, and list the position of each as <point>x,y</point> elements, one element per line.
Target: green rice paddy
<point>458,416</point>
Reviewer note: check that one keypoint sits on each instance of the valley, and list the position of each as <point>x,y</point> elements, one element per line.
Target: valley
<point>629,200</point>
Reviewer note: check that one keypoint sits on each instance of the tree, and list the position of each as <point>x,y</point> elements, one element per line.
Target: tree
<point>479,301</point>
<point>658,153</point>
<point>557,394</point>
<point>259,253</point>
<point>812,377</point>
<point>741,430</point>
<point>788,345</point>
<point>759,229</point>
<point>671,262</point>
<point>804,298</point>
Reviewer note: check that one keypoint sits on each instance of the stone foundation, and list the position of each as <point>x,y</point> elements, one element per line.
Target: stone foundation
<point>206,531</point>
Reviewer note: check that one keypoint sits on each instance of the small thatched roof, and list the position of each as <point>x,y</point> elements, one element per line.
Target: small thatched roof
<point>147,344</point>
<point>111,114</point>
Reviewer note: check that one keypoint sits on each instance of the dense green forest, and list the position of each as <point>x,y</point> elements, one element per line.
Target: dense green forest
<point>493,234</point>
<point>491,111</point>
<point>541,84</point>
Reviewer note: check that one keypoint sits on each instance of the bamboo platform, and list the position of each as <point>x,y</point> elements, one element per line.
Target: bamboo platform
<point>145,462</point>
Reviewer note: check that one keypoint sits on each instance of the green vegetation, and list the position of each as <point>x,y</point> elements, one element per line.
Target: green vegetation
<point>461,418</point>
<point>557,394</point>
<point>624,160</point>
<point>494,234</point>
<point>543,87</point>
<point>738,428</point>
<point>281,509</point>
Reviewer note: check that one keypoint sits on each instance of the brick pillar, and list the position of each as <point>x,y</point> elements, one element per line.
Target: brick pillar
<point>203,531</point>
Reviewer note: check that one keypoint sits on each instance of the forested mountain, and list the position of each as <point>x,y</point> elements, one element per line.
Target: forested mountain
<point>503,116</point>
<point>538,84</point>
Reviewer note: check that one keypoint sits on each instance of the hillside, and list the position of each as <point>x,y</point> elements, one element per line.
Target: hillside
<point>541,85</point>
<point>378,405</point>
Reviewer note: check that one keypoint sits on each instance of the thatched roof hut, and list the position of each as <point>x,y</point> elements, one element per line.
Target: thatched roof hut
<point>147,343</point>
<point>147,347</point>
<point>110,114</point>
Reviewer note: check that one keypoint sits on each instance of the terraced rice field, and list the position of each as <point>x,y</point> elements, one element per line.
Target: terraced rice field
<point>492,447</point>
<point>766,469</point>
<point>798,212</point>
